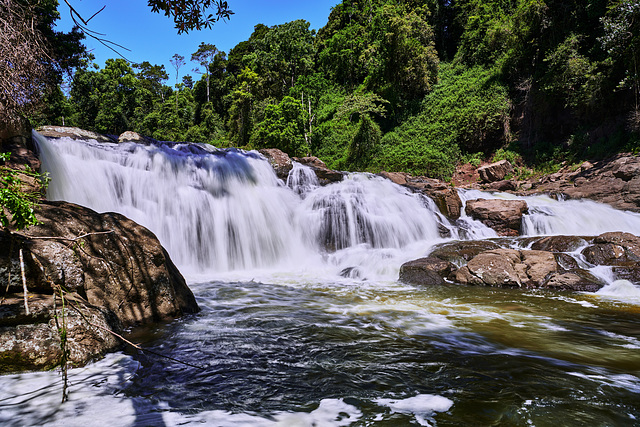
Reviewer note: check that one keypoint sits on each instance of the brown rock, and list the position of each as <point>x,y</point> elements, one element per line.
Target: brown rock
<point>495,171</point>
<point>504,216</point>
<point>279,161</point>
<point>399,178</point>
<point>444,195</point>
<point>615,248</point>
<point>426,271</point>
<point>574,281</point>
<point>324,174</point>
<point>462,251</point>
<point>493,268</point>
<point>559,243</point>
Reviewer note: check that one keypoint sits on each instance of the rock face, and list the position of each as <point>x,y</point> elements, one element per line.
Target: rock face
<point>113,271</point>
<point>495,171</point>
<point>620,249</point>
<point>324,174</point>
<point>279,160</point>
<point>504,216</point>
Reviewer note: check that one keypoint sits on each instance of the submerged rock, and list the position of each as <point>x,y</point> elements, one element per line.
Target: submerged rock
<point>112,272</point>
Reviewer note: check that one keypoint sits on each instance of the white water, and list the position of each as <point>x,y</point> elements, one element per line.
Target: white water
<point>225,215</point>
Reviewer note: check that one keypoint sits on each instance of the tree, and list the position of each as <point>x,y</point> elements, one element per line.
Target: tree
<point>205,56</point>
<point>192,14</point>
<point>283,127</point>
<point>33,57</point>
<point>177,61</point>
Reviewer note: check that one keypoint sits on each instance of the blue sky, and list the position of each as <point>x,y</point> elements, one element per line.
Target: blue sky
<point>152,37</point>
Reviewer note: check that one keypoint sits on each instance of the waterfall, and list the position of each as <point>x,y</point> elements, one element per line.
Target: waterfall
<point>224,210</point>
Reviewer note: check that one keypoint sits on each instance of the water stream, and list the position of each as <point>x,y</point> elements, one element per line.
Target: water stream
<point>303,321</point>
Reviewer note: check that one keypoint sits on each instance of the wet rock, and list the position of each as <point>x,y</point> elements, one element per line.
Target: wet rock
<point>495,171</point>
<point>615,248</point>
<point>631,273</point>
<point>279,160</point>
<point>324,174</point>
<point>615,181</point>
<point>505,185</point>
<point>559,243</point>
<point>577,281</point>
<point>426,271</point>
<point>504,216</point>
<point>461,252</point>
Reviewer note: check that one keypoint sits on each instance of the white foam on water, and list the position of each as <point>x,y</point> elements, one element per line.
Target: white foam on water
<point>622,291</point>
<point>422,406</point>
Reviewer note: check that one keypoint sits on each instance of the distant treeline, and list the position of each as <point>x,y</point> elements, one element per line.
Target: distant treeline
<point>414,86</point>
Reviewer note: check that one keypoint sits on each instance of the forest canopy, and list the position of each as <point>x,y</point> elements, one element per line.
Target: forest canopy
<point>405,85</point>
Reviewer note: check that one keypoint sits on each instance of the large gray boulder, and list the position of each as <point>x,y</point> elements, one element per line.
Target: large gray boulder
<point>112,272</point>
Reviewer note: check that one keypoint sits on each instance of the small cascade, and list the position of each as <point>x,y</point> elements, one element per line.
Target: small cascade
<point>365,209</point>
<point>302,179</point>
<point>548,216</point>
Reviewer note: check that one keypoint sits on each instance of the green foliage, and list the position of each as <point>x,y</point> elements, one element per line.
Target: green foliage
<point>283,128</point>
<point>365,144</point>
<point>505,154</point>
<point>16,206</point>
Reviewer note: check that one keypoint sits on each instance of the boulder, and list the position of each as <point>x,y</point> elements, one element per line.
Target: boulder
<point>615,248</point>
<point>426,271</point>
<point>74,133</point>
<point>112,272</point>
<point>279,161</point>
<point>324,174</point>
<point>559,243</point>
<point>508,268</point>
<point>130,136</point>
<point>400,178</point>
<point>504,216</point>
<point>495,171</point>
<point>577,281</point>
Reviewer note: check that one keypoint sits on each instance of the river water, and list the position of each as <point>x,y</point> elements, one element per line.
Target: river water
<point>304,323</point>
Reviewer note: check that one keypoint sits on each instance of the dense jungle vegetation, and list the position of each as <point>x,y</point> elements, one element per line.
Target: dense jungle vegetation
<point>407,85</point>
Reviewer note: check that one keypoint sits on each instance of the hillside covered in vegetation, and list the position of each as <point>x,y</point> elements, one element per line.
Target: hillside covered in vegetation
<point>412,86</point>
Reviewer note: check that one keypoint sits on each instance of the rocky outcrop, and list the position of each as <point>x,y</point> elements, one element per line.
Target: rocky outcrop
<point>504,216</point>
<point>487,263</point>
<point>324,174</point>
<point>495,171</point>
<point>426,271</point>
<point>74,133</point>
<point>279,161</point>
<point>615,181</point>
<point>112,272</point>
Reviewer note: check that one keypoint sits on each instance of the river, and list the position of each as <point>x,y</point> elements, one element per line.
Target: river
<point>304,323</point>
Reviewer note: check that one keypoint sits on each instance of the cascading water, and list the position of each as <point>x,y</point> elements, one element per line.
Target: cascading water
<point>327,335</point>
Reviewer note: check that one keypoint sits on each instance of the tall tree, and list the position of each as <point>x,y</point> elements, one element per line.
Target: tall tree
<point>205,56</point>
<point>177,61</point>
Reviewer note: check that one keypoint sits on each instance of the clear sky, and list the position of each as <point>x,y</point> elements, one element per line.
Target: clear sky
<point>152,36</point>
